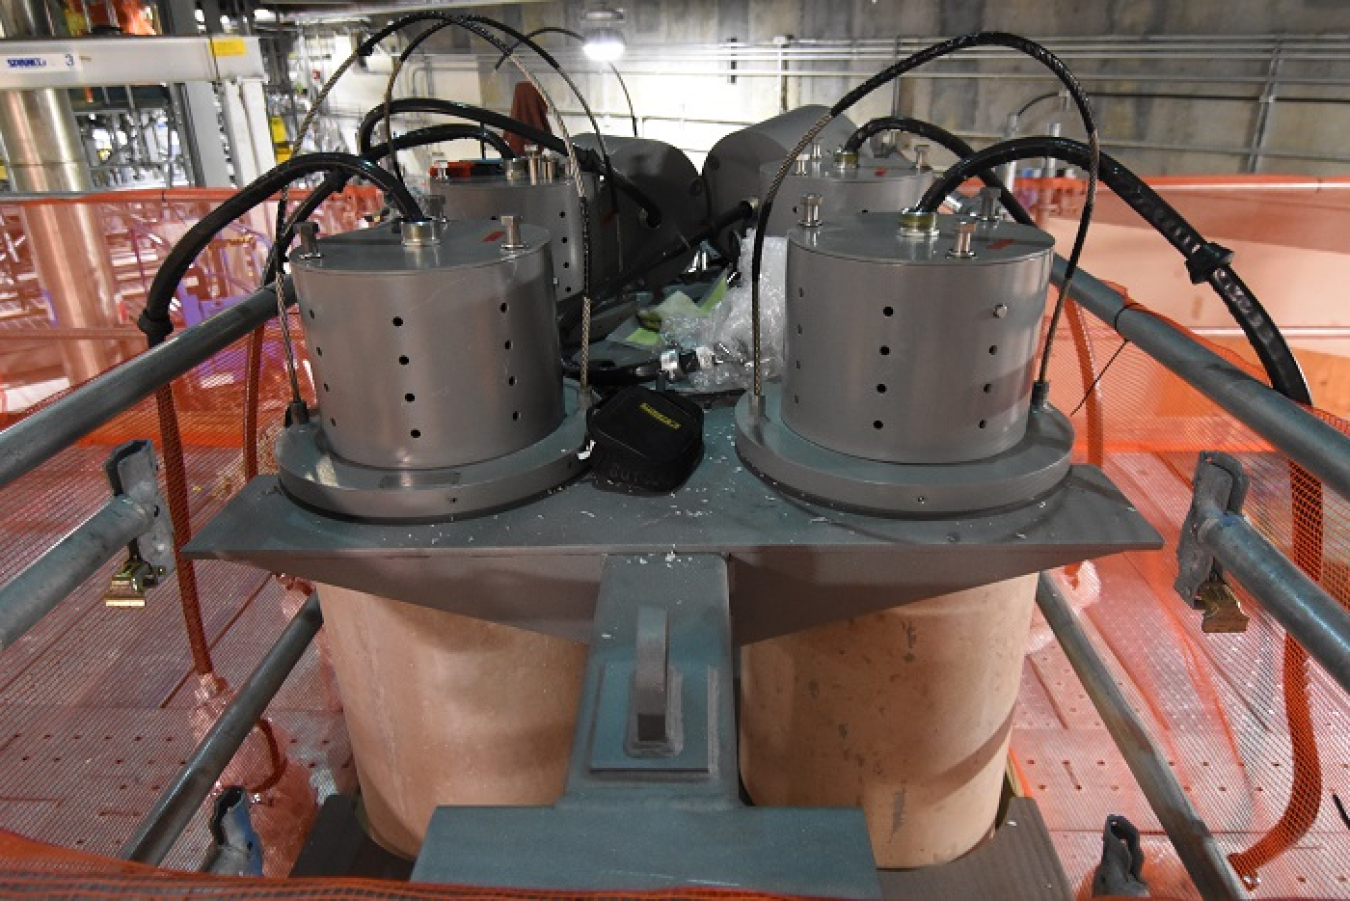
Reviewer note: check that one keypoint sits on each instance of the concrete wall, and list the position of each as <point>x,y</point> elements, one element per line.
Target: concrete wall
<point>1174,133</point>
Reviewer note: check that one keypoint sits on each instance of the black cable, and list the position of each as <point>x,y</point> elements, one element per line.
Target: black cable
<point>895,70</point>
<point>365,132</point>
<point>1206,261</point>
<point>154,320</point>
<point>682,243</point>
<point>334,183</point>
<point>945,139</point>
<point>1035,100</point>
<point>588,159</point>
<point>472,24</point>
<point>553,29</point>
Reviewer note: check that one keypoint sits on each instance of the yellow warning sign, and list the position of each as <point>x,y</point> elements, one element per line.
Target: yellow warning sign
<point>228,46</point>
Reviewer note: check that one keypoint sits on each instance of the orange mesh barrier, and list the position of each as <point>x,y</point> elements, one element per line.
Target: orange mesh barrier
<point>99,706</point>
<point>30,869</point>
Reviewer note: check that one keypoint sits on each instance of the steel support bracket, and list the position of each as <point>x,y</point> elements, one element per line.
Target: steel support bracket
<point>1220,489</point>
<point>132,472</point>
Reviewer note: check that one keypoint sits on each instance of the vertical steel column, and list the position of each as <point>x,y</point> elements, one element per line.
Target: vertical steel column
<point>45,154</point>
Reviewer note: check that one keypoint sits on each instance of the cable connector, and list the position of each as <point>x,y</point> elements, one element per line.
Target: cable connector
<point>1040,395</point>
<point>1206,259</point>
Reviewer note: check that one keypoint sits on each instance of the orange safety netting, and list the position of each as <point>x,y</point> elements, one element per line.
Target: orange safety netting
<point>98,706</point>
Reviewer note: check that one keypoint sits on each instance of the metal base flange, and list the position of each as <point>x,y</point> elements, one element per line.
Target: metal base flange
<point>313,475</point>
<point>779,455</point>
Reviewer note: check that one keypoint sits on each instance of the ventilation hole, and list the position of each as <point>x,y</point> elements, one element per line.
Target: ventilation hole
<point>988,387</point>
<point>567,264</point>
<point>515,416</point>
<point>311,314</point>
<point>801,292</point>
<point>878,424</point>
<point>493,218</point>
<point>865,211</point>
<point>410,397</point>
<point>325,387</point>
<point>797,364</point>
<point>794,209</point>
<point>507,345</point>
<point>562,214</point>
<point>398,322</point>
<point>403,361</point>
<point>885,350</point>
<point>993,349</point>
<point>799,329</point>
<point>416,433</point>
<point>503,307</point>
<point>511,380</point>
<point>567,290</point>
<point>796,399</point>
<point>333,423</point>
<point>888,311</point>
<point>564,240</point>
<point>984,423</point>
<point>318,350</point>
<point>881,389</point>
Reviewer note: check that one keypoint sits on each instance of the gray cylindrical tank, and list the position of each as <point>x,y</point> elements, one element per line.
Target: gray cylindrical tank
<point>731,170</point>
<point>548,202</point>
<point>897,351</point>
<point>874,186</point>
<point>665,174</point>
<point>432,356</point>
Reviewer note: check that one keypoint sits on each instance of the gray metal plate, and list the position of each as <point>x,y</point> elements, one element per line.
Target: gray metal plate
<point>794,564</point>
<point>822,851</point>
<point>312,474</point>
<point>1018,863</point>
<point>1027,470</point>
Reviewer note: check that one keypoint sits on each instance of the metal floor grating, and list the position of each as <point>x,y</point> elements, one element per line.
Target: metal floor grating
<point>1236,768</point>
<point>96,706</point>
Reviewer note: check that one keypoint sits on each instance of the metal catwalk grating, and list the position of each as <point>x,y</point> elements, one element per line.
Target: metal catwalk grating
<point>1211,702</point>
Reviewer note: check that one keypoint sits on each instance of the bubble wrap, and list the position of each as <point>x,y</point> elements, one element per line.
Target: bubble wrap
<point>727,330</point>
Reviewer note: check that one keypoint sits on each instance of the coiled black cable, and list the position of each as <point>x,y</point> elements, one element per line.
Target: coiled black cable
<point>1206,261</point>
<point>154,320</point>
<point>942,138</point>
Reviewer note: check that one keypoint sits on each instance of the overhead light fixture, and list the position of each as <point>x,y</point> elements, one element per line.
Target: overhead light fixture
<point>604,39</point>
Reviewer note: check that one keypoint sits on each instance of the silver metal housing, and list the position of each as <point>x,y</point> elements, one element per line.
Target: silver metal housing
<point>898,352</point>
<point>875,186</point>
<point>731,170</point>
<point>552,205</point>
<point>432,356</point>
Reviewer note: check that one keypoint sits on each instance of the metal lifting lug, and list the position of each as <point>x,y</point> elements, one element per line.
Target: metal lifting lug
<point>1220,489</point>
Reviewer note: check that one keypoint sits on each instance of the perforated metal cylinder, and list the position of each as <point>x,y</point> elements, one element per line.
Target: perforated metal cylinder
<point>553,205</point>
<point>731,170</point>
<point>432,356</point>
<point>875,187</point>
<point>898,352</point>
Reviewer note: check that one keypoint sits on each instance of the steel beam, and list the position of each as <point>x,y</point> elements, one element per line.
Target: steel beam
<point>33,593</point>
<point>1295,601</point>
<point>1316,446</point>
<point>32,441</point>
